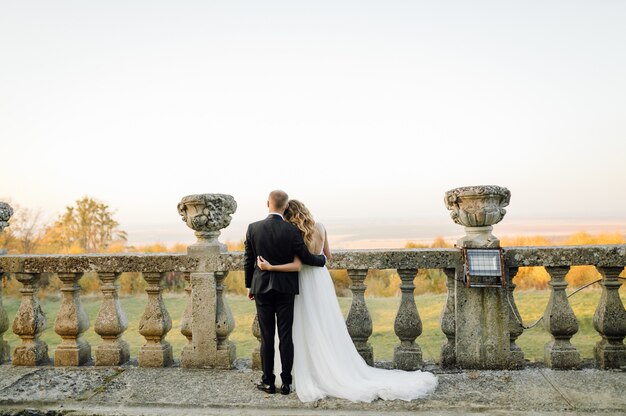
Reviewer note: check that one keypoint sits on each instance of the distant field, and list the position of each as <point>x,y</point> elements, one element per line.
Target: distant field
<point>383,310</point>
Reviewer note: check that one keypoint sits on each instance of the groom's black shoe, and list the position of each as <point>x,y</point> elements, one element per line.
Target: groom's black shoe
<point>268,388</point>
<point>285,389</point>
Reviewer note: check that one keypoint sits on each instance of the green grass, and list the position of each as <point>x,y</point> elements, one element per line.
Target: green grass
<point>531,305</point>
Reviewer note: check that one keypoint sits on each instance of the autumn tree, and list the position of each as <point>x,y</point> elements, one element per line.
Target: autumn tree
<point>24,233</point>
<point>87,227</point>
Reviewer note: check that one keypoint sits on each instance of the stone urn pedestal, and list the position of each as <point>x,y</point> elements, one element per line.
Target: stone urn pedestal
<point>211,320</point>
<point>481,314</point>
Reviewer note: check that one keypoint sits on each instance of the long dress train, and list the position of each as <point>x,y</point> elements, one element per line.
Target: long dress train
<point>326,362</point>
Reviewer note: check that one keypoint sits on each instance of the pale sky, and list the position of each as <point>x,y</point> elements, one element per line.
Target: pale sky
<point>367,111</point>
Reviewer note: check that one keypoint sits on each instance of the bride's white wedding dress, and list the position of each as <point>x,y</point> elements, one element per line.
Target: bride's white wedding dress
<point>326,362</point>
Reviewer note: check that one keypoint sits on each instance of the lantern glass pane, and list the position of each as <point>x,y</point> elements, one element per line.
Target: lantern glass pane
<point>484,262</point>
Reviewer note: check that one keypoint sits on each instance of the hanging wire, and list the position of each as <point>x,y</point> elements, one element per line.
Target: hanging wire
<point>519,318</point>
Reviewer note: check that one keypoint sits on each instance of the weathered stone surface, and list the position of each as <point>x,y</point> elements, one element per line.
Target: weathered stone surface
<point>359,321</point>
<point>610,321</point>
<point>185,323</point>
<point>5,214</point>
<point>5,351</point>
<point>111,323</point>
<point>39,386</point>
<point>482,327</point>
<point>613,255</point>
<point>478,208</point>
<point>207,214</point>
<point>70,324</point>
<point>481,313</point>
<point>599,255</point>
<point>448,324</point>
<point>515,326</point>
<point>407,355</point>
<point>224,325</point>
<point>203,351</point>
<point>441,258</point>
<point>175,391</point>
<point>83,263</point>
<point>368,259</point>
<point>29,323</point>
<point>154,325</point>
<point>559,320</point>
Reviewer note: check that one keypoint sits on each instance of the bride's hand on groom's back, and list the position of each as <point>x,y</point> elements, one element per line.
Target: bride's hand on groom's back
<point>262,263</point>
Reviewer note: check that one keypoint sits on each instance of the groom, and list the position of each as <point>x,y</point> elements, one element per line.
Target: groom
<point>273,292</point>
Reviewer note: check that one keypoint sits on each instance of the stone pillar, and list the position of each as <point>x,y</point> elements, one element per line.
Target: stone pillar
<point>206,214</point>
<point>481,314</point>
<point>448,350</point>
<point>256,352</point>
<point>225,323</point>
<point>70,324</point>
<point>359,321</point>
<point>154,325</point>
<point>407,355</point>
<point>185,323</point>
<point>559,320</point>
<point>610,321</point>
<point>5,351</point>
<point>111,323</point>
<point>515,327</point>
<point>29,323</point>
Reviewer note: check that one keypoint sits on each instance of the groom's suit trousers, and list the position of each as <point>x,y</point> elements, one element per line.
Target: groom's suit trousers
<point>275,309</point>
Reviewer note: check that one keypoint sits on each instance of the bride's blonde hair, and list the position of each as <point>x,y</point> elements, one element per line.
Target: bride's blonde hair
<point>301,217</point>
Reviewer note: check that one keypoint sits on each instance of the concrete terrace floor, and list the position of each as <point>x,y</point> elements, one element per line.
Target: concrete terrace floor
<point>130,390</point>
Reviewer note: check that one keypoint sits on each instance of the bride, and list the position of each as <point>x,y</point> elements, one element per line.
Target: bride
<point>326,363</point>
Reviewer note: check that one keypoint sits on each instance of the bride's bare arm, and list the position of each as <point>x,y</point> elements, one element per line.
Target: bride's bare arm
<point>294,266</point>
<point>326,246</point>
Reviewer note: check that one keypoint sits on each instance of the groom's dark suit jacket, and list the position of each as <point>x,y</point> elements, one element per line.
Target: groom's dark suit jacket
<point>278,242</point>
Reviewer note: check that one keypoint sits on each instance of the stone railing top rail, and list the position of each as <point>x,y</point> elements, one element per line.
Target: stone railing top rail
<point>427,258</point>
<point>71,263</point>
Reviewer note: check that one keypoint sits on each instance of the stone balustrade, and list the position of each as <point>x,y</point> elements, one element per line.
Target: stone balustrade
<point>111,322</point>
<point>481,324</point>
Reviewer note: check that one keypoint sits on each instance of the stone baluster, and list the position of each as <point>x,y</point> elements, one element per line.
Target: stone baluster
<point>359,321</point>
<point>559,320</point>
<point>448,326</point>
<point>5,351</point>
<point>29,323</point>
<point>515,327</point>
<point>154,325</point>
<point>408,326</point>
<point>225,323</point>
<point>111,323</point>
<point>256,352</point>
<point>70,324</point>
<point>185,323</point>
<point>610,321</point>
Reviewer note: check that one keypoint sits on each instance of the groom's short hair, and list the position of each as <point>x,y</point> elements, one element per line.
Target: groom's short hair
<point>278,199</point>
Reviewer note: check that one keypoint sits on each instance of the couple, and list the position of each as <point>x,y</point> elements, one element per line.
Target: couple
<point>313,338</point>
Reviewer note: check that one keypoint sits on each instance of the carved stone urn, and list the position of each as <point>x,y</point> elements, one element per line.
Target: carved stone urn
<point>5,213</point>
<point>478,208</point>
<point>207,214</point>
